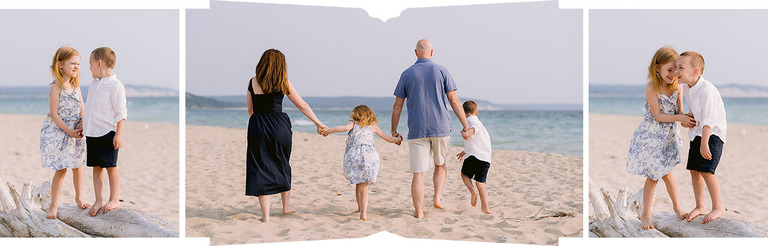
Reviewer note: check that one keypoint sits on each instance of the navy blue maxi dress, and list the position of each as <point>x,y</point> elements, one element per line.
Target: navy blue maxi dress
<point>269,146</point>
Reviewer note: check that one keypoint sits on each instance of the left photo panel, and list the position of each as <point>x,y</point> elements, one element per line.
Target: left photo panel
<point>89,108</point>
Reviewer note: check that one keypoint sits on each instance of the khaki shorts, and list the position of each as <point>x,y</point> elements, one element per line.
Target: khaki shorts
<point>426,152</point>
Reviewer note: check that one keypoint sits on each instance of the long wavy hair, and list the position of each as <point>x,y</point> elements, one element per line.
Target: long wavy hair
<point>271,72</point>
<point>663,56</point>
<point>63,54</point>
<point>364,115</point>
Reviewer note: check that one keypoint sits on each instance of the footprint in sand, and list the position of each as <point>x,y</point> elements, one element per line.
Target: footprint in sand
<point>420,232</point>
<point>283,233</point>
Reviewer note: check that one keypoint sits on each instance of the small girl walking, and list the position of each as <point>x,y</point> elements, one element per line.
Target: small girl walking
<point>62,144</point>
<point>361,161</point>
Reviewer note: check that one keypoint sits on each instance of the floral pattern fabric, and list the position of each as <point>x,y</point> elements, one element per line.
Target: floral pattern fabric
<point>58,150</point>
<point>361,161</point>
<point>656,147</point>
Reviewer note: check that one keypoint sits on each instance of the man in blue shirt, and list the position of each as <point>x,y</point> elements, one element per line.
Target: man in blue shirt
<point>427,85</point>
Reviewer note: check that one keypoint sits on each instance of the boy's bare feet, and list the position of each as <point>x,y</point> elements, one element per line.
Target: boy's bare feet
<point>110,206</point>
<point>645,222</point>
<point>95,208</point>
<point>694,213</point>
<point>52,212</point>
<point>82,204</point>
<point>289,210</point>
<point>713,215</point>
<point>680,214</point>
<point>473,199</point>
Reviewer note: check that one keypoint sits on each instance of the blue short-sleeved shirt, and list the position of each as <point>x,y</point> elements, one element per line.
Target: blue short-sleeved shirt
<point>424,85</point>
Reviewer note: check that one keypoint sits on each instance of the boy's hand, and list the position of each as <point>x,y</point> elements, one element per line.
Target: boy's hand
<point>704,149</point>
<point>117,141</point>
<point>461,155</point>
<point>465,135</point>
<point>77,133</point>
<point>687,120</point>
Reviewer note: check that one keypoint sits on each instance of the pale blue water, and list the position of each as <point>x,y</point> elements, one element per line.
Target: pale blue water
<point>148,109</point>
<point>752,111</point>
<point>539,131</point>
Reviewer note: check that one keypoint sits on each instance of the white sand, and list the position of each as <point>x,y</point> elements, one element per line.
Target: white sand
<point>148,164</point>
<point>740,172</point>
<point>520,185</point>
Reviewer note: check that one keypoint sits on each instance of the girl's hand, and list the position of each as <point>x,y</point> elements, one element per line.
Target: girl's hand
<point>400,140</point>
<point>322,129</point>
<point>686,120</point>
<point>704,149</point>
<point>77,133</point>
<point>461,155</point>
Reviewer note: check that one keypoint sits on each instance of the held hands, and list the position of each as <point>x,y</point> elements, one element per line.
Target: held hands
<point>687,120</point>
<point>704,149</point>
<point>460,155</point>
<point>322,130</point>
<point>77,133</point>
<point>400,139</point>
<point>465,134</point>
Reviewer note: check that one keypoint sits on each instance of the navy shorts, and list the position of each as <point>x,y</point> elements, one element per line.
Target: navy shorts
<point>475,168</point>
<point>101,151</point>
<point>697,163</point>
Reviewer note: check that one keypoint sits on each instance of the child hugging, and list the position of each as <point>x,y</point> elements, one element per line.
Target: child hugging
<point>361,161</point>
<point>656,145</point>
<point>62,144</point>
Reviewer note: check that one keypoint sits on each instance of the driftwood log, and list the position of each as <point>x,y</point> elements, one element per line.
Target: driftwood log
<point>23,215</point>
<point>618,217</point>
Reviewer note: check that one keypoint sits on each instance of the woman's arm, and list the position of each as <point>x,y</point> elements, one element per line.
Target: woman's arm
<point>294,96</point>
<point>53,107</point>
<point>653,104</point>
<point>344,128</point>
<point>249,102</point>
<point>388,138</point>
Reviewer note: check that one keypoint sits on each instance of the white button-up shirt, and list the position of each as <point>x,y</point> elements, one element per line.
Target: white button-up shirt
<point>479,144</point>
<point>105,106</point>
<point>707,107</point>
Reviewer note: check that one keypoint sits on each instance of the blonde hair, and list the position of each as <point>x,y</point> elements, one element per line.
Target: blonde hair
<point>106,55</point>
<point>364,115</point>
<point>63,54</point>
<point>663,56</point>
<point>272,73</point>
<point>469,107</point>
<point>697,61</point>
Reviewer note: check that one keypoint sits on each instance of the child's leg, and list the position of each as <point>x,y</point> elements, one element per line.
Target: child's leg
<point>264,204</point>
<point>669,181</point>
<point>698,193</point>
<point>483,197</point>
<point>98,188</point>
<point>714,192</point>
<point>77,179</point>
<point>473,195</point>
<point>363,201</point>
<point>58,178</point>
<point>114,190</point>
<point>648,189</point>
<point>358,198</point>
<point>286,196</point>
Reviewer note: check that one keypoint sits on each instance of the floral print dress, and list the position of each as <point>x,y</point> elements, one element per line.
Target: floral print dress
<point>58,150</point>
<point>361,161</point>
<point>656,147</point>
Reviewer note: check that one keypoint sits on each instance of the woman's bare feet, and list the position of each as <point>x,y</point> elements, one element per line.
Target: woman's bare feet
<point>694,213</point>
<point>52,212</point>
<point>95,208</point>
<point>713,215</point>
<point>645,222</point>
<point>82,204</point>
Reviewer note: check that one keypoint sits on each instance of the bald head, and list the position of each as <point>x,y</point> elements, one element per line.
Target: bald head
<point>424,49</point>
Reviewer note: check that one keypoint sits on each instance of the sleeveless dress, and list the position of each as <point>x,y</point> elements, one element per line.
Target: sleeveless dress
<point>656,147</point>
<point>269,146</point>
<point>361,161</point>
<point>58,150</point>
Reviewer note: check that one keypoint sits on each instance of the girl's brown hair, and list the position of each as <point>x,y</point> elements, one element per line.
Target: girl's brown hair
<point>663,56</point>
<point>364,115</point>
<point>271,73</point>
<point>63,54</point>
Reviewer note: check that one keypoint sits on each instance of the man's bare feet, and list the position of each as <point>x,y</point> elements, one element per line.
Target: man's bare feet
<point>694,213</point>
<point>82,204</point>
<point>438,206</point>
<point>713,215</point>
<point>680,214</point>
<point>52,212</point>
<point>110,206</point>
<point>289,210</point>
<point>645,222</point>
<point>95,208</point>
<point>473,199</point>
<point>419,215</point>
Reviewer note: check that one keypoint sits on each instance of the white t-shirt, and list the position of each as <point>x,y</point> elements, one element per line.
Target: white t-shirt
<point>479,144</point>
<point>707,107</point>
<point>104,107</point>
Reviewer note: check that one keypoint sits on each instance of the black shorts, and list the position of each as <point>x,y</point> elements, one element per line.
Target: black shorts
<point>475,168</point>
<point>101,151</point>
<point>697,163</point>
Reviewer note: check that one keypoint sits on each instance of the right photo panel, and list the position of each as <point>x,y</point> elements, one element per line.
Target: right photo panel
<point>678,118</point>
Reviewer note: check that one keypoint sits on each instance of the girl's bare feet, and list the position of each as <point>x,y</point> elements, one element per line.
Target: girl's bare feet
<point>110,206</point>
<point>694,213</point>
<point>82,204</point>
<point>680,214</point>
<point>52,212</point>
<point>645,222</point>
<point>713,215</point>
<point>95,208</point>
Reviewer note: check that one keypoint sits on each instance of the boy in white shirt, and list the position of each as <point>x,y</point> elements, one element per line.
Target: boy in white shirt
<point>105,114</point>
<point>476,156</point>
<point>707,136</point>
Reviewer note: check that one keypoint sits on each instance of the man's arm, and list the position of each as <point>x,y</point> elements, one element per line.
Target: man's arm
<point>457,109</point>
<point>397,109</point>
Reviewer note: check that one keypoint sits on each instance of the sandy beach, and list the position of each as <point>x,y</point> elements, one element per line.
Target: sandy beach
<point>527,191</point>
<point>148,164</point>
<point>741,179</point>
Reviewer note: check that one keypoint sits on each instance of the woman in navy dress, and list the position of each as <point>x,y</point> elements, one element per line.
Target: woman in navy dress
<point>269,132</point>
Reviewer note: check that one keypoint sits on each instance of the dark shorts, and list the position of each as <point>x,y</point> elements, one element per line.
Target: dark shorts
<point>475,168</point>
<point>697,163</point>
<point>101,151</point>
